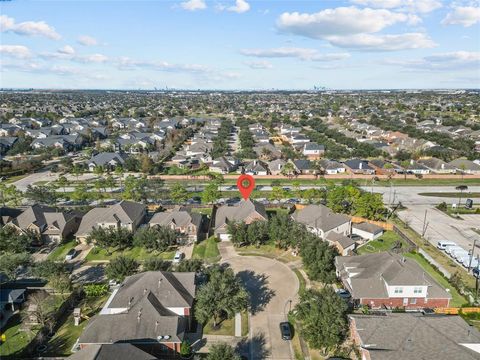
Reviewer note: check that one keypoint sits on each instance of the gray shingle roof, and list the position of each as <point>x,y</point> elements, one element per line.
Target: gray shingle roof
<point>319,217</point>
<point>119,351</point>
<point>371,228</point>
<point>180,216</point>
<point>414,336</point>
<point>373,270</point>
<point>239,212</point>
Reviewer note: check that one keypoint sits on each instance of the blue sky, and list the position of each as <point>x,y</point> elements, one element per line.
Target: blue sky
<point>240,44</point>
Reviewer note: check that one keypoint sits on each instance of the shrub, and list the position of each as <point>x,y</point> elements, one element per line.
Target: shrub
<point>95,290</point>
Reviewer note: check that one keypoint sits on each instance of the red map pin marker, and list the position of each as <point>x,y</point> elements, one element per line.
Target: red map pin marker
<point>246,184</point>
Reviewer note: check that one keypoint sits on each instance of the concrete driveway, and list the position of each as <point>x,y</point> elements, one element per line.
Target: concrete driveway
<point>273,288</point>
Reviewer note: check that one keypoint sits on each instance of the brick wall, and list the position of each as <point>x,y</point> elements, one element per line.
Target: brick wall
<point>398,303</point>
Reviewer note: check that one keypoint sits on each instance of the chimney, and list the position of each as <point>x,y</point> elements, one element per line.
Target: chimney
<point>145,291</point>
<point>360,166</point>
<point>159,283</point>
<point>139,316</point>
<point>156,325</point>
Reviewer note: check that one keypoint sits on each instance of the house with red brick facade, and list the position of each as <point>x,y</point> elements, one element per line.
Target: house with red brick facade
<point>414,336</point>
<point>151,310</point>
<point>387,280</point>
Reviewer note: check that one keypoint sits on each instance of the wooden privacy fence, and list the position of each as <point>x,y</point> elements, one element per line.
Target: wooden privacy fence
<point>382,224</point>
<point>456,311</point>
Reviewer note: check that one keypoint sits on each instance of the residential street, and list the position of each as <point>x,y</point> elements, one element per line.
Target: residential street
<point>273,287</point>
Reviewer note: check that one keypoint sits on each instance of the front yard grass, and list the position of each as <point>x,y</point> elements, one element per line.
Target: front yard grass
<point>268,250</point>
<point>457,299</point>
<point>226,327</point>
<point>61,251</point>
<point>66,336</point>
<point>207,250</point>
<point>383,243</point>
<point>16,339</point>
<point>138,253</point>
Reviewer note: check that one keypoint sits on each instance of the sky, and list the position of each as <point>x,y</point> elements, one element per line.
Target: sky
<point>240,44</point>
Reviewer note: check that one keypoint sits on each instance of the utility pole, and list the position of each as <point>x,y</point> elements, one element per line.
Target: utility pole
<point>471,255</point>
<point>424,228</point>
<point>476,277</point>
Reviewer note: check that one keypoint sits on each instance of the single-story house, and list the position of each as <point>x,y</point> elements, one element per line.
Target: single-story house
<point>367,231</point>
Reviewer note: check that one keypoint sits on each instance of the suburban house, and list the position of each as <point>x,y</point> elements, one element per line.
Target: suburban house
<point>332,167</point>
<point>107,160</point>
<point>48,223</point>
<point>126,214</point>
<point>414,167</point>
<point>181,220</point>
<point>256,167</point>
<point>367,231</point>
<point>276,166</point>
<point>246,211</point>
<point>10,297</point>
<point>7,214</point>
<point>357,166</point>
<point>438,166</point>
<point>151,310</point>
<point>465,166</point>
<point>413,336</point>
<point>303,167</point>
<point>383,167</point>
<point>389,280</point>
<point>313,151</point>
<point>321,221</point>
<point>223,165</point>
<point>115,351</point>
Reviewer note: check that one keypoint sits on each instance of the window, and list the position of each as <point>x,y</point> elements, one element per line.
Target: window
<point>413,301</point>
<point>417,290</point>
<point>398,290</point>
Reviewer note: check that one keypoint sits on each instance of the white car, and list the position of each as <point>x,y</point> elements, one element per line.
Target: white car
<point>458,254</point>
<point>450,249</point>
<point>71,254</point>
<point>178,257</point>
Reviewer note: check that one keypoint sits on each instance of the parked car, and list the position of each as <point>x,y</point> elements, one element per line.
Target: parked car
<point>286,330</point>
<point>476,272</point>
<point>442,245</point>
<point>344,294</point>
<point>71,254</point>
<point>178,257</point>
<point>450,249</point>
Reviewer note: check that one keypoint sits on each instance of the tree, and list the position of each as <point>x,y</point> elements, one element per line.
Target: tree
<point>146,164</point>
<point>77,170</point>
<point>158,238</point>
<point>211,193</point>
<point>110,237</point>
<point>288,169</point>
<point>238,233</point>
<point>135,188</point>
<point>10,263</point>
<point>62,182</point>
<point>156,264</point>
<point>98,170</point>
<point>10,194</point>
<point>41,194</point>
<point>318,258</point>
<point>322,315</point>
<point>178,193</point>
<point>370,206</point>
<point>80,193</point>
<point>190,265</point>
<point>121,267</point>
<point>13,241</point>
<point>119,173</point>
<point>277,193</point>
<point>222,352</point>
<point>461,188</point>
<point>221,297</point>
<point>48,269</point>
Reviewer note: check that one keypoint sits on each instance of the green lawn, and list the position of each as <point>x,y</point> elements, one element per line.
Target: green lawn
<point>268,250</point>
<point>226,327</point>
<point>16,340</point>
<point>15,178</point>
<point>384,243</point>
<point>457,299</point>
<point>61,250</point>
<point>66,336</point>
<point>138,253</point>
<point>301,280</point>
<point>207,250</point>
<point>203,211</point>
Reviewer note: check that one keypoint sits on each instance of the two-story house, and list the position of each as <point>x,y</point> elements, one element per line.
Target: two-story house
<point>321,221</point>
<point>389,280</point>
<point>151,310</point>
<point>126,214</point>
<point>183,221</point>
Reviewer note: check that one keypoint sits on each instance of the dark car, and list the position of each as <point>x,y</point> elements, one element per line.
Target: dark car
<point>476,272</point>
<point>344,294</point>
<point>285,330</point>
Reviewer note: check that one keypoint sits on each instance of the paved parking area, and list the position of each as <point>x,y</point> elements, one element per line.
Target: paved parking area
<point>273,288</point>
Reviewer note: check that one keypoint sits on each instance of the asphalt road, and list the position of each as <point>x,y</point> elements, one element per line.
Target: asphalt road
<point>273,288</point>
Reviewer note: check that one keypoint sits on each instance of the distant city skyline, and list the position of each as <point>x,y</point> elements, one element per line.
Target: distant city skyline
<point>240,44</point>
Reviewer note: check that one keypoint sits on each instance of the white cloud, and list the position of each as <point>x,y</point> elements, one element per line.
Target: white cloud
<point>28,28</point>
<point>193,5</point>
<point>258,64</point>
<point>17,51</point>
<point>86,40</point>
<point>93,58</point>
<point>369,42</point>
<point>341,21</point>
<point>67,50</point>
<point>421,6</point>
<point>463,15</point>
<point>126,63</point>
<point>457,60</point>
<point>240,7</point>
<point>290,52</point>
